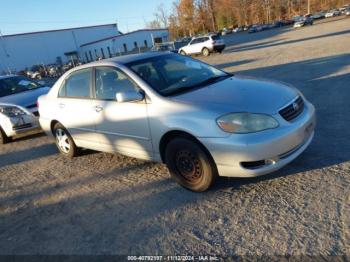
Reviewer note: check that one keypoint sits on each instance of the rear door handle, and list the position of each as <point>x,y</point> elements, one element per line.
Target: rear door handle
<point>61,105</point>
<point>98,108</point>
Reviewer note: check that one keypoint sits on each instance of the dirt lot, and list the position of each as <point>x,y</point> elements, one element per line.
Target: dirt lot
<point>110,204</point>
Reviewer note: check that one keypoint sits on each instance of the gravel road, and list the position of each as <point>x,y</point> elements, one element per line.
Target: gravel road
<point>110,204</point>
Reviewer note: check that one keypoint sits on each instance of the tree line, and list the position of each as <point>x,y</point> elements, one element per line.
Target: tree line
<point>191,17</point>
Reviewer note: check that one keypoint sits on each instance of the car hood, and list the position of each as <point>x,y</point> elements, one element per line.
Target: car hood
<point>25,99</point>
<point>241,94</point>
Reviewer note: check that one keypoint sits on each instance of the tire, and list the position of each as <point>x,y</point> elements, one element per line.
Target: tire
<point>182,52</point>
<point>205,51</point>
<point>64,141</point>
<point>4,139</point>
<point>190,165</point>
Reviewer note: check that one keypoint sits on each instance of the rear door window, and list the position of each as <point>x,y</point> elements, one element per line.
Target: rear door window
<point>77,85</point>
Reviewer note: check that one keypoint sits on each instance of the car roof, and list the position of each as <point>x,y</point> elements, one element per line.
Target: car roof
<point>134,57</point>
<point>121,60</point>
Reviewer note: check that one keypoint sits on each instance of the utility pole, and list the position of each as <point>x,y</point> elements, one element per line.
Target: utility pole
<point>308,6</point>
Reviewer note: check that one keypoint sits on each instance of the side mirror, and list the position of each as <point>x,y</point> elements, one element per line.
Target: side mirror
<point>129,96</point>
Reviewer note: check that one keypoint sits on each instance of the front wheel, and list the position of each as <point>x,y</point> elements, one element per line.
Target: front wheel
<point>182,53</point>
<point>205,51</point>
<point>190,165</point>
<point>64,141</point>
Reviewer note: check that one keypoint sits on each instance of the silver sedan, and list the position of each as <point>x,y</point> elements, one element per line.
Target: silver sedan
<point>200,121</point>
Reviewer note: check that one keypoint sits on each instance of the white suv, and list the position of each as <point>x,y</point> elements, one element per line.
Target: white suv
<point>204,45</point>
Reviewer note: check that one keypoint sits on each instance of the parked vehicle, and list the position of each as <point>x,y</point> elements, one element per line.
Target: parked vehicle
<point>226,31</point>
<point>18,106</point>
<point>342,10</point>
<point>255,29</point>
<point>319,15</point>
<point>200,121</point>
<point>297,18</point>
<point>34,75</point>
<point>170,46</point>
<point>203,45</point>
<point>278,24</point>
<point>53,70</point>
<point>303,22</point>
<point>287,22</point>
<point>333,13</point>
<point>238,29</point>
<point>347,12</point>
<point>267,26</point>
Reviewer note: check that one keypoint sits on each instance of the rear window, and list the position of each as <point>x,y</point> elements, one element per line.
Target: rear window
<point>77,84</point>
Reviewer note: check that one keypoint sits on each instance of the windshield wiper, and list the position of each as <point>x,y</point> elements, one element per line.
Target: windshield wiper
<point>213,79</point>
<point>206,82</point>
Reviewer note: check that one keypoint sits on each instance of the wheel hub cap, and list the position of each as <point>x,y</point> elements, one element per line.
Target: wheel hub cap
<point>62,140</point>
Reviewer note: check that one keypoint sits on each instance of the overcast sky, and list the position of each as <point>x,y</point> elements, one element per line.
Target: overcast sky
<point>19,16</point>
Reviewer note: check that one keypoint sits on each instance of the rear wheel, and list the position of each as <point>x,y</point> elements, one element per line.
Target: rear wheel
<point>190,165</point>
<point>3,137</point>
<point>205,51</point>
<point>64,141</point>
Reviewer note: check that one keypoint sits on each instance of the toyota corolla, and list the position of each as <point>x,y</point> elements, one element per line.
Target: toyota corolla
<point>200,121</point>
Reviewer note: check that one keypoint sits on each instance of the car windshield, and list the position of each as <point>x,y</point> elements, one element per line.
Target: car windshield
<point>174,74</point>
<point>17,84</point>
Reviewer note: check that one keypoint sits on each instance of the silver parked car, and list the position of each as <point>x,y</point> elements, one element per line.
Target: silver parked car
<point>18,106</point>
<point>201,121</point>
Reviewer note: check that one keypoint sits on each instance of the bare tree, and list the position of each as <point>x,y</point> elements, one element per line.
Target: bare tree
<point>154,24</point>
<point>162,16</point>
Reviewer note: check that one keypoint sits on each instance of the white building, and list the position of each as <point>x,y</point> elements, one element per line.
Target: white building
<point>20,51</point>
<point>133,42</point>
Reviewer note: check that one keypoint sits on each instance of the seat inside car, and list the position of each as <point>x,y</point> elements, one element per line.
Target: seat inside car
<point>108,84</point>
<point>146,73</point>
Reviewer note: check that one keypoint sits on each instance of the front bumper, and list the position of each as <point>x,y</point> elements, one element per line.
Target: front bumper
<point>19,125</point>
<point>298,25</point>
<point>265,151</point>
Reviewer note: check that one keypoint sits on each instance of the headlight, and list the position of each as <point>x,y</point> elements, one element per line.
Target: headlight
<point>242,123</point>
<point>12,111</point>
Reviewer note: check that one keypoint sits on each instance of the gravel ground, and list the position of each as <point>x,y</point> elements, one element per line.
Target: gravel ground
<point>110,204</point>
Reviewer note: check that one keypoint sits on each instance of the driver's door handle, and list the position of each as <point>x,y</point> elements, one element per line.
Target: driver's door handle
<point>98,108</point>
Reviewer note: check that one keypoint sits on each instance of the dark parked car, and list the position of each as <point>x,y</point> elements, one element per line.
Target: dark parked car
<point>255,29</point>
<point>307,20</point>
<point>278,24</point>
